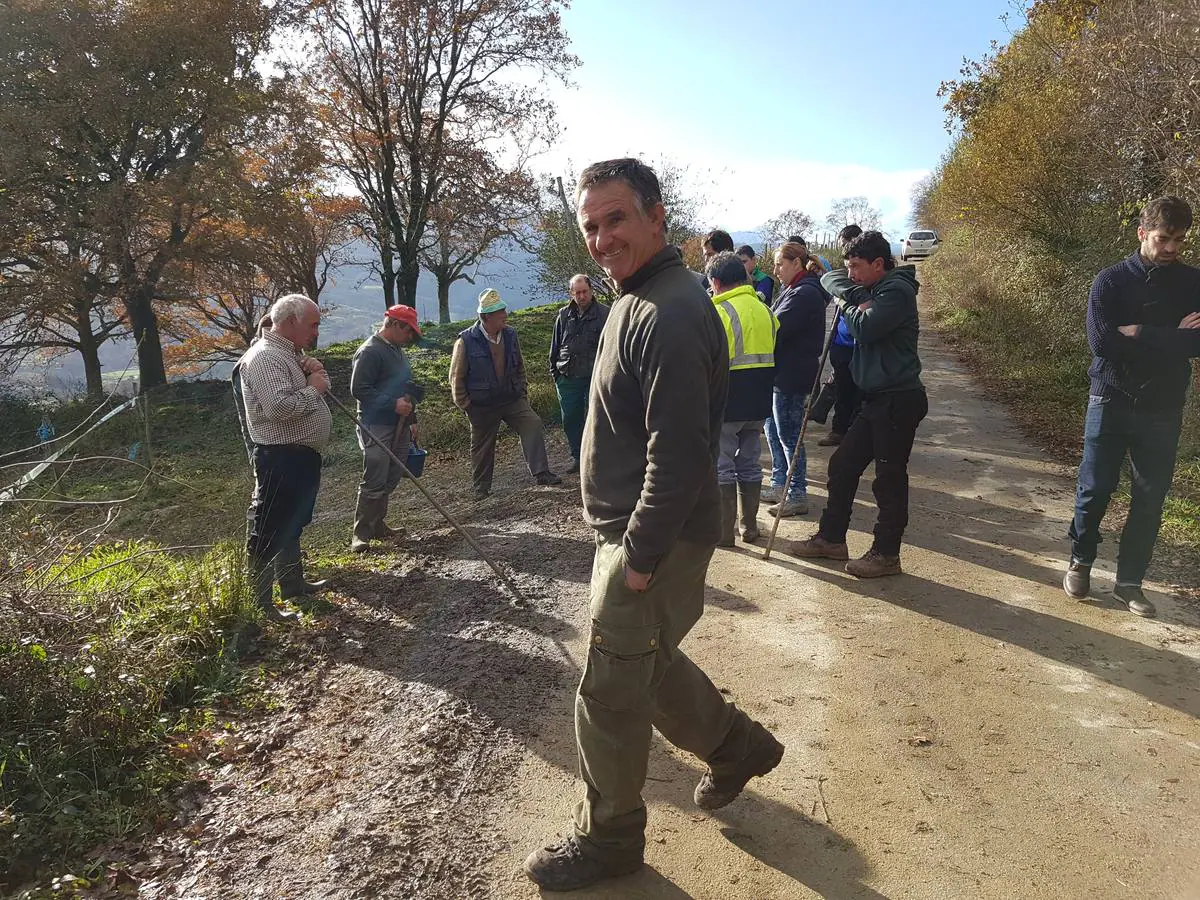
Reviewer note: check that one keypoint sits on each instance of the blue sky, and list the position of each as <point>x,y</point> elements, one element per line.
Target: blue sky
<point>771,104</point>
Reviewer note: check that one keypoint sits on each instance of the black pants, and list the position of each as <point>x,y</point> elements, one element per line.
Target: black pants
<point>883,432</point>
<point>847,396</point>
<point>287,477</point>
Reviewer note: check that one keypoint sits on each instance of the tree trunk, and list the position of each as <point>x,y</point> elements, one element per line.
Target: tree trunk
<point>140,311</point>
<point>89,349</point>
<point>406,282</point>
<point>387,274</point>
<point>443,298</point>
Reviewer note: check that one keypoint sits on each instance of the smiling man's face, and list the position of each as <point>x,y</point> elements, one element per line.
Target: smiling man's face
<point>620,236</point>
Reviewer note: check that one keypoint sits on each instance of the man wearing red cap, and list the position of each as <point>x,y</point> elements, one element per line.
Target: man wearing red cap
<point>381,380</point>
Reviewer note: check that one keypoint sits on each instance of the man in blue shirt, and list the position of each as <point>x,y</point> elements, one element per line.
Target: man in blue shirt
<point>1143,325</point>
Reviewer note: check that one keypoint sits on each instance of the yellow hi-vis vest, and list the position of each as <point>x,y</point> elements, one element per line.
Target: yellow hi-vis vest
<point>750,328</point>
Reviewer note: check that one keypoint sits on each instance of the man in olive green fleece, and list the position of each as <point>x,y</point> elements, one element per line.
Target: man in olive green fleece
<point>650,492</point>
<point>879,304</point>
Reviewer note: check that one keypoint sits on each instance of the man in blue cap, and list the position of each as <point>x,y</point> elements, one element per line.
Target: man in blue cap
<point>488,382</point>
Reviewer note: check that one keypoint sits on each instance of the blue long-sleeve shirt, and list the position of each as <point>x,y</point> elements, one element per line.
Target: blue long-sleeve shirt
<point>1153,369</point>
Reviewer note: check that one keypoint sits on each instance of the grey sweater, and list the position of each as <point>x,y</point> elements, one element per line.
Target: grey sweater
<point>654,419</point>
<point>380,376</point>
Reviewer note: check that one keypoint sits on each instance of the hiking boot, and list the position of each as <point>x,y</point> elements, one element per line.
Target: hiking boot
<point>830,440</point>
<point>728,514</point>
<point>1078,580</point>
<point>816,547</point>
<point>721,787</point>
<point>1131,595</point>
<point>546,478</point>
<point>481,494</point>
<point>563,866</point>
<point>789,508</point>
<point>748,495</point>
<point>772,494</point>
<point>874,564</point>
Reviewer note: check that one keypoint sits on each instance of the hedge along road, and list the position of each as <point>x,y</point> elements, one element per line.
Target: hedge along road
<point>963,730</point>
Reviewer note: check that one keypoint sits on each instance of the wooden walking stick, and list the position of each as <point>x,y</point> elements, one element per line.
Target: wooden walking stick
<point>512,588</point>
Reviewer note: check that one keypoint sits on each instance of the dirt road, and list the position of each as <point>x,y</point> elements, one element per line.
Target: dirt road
<point>961,731</point>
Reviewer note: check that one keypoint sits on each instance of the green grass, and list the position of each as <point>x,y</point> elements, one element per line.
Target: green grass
<point>108,658</point>
<point>105,678</point>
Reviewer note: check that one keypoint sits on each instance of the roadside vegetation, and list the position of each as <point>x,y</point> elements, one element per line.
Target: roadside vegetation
<point>1060,138</point>
<point>127,630</point>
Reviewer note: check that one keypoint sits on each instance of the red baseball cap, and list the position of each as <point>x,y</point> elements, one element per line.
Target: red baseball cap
<point>405,314</point>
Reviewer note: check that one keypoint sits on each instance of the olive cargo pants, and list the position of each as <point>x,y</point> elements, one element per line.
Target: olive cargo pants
<point>636,678</point>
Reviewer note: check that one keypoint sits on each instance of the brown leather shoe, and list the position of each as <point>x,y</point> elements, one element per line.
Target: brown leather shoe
<point>874,564</point>
<point>816,547</point>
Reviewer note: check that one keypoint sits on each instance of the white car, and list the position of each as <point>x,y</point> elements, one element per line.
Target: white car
<point>918,245</point>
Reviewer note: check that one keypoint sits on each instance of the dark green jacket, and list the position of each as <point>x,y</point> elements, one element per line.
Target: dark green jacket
<point>885,333</point>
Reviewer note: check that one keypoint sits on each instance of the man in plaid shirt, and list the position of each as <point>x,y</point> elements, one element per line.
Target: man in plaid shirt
<point>289,422</point>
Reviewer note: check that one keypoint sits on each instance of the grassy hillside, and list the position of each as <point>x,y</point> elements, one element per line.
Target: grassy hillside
<point>118,661</point>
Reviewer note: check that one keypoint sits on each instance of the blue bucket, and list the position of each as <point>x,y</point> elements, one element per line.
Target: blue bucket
<point>416,460</point>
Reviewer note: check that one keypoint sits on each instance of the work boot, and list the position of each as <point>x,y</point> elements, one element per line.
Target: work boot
<point>728,514</point>
<point>874,564</point>
<point>367,515</point>
<point>749,494</point>
<point>564,866</point>
<point>830,440</point>
<point>481,493</point>
<point>1133,597</point>
<point>816,547</point>
<point>289,571</point>
<point>771,494</point>
<point>262,577</point>
<point>382,531</point>
<point>547,478</point>
<point>720,785</point>
<point>1078,580</point>
<point>785,509</point>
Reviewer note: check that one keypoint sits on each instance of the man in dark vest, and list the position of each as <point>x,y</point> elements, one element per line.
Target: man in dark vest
<point>487,379</point>
<point>572,357</point>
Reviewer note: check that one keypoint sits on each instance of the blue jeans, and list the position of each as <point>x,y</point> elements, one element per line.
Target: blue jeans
<point>783,431</point>
<point>1113,429</point>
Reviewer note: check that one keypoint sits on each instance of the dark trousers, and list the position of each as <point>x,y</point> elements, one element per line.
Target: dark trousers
<point>287,478</point>
<point>847,396</point>
<point>883,433</point>
<point>1113,429</point>
<point>485,428</point>
<point>573,401</point>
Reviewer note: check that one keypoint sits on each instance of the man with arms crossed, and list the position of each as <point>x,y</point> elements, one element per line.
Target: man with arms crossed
<point>878,300</point>
<point>1143,325</point>
<point>572,356</point>
<point>650,491</point>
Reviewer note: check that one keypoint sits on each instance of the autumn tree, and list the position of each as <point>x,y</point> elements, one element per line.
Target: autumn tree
<point>481,206</point>
<point>776,231</point>
<point>402,83</point>
<point>293,241</point>
<point>853,211</point>
<point>140,106</point>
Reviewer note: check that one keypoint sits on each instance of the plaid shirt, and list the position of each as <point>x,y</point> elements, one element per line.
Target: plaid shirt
<point>280,406</point>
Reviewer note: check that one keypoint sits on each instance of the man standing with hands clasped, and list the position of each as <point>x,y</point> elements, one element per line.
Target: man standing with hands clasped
<point>650,492</point>
<point>381,380</point>
<point>1143,325</point>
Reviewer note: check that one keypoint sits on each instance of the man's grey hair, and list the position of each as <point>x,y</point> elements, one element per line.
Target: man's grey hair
<point>727,268</point>
<point>579,277</point>
<point>290,308</point>
<point>635,173</point>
